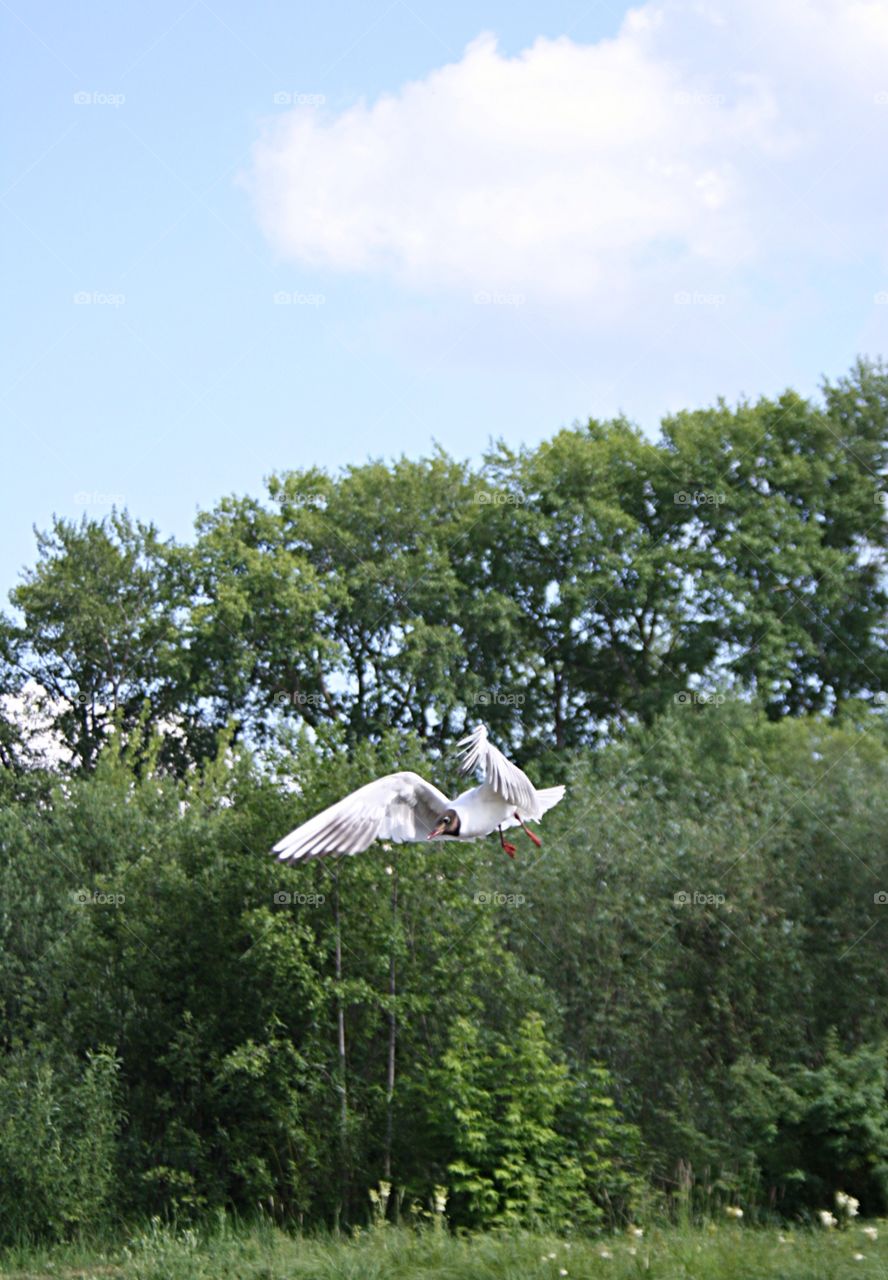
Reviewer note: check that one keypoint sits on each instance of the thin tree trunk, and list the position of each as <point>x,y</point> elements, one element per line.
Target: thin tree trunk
<point>343,1075</point>
<point>559,709</point>
<point>393,1033</point>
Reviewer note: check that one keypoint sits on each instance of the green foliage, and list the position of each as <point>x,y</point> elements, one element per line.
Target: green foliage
<point>58,1126</point>
<point>816,1129</point>
<point>711,892</point>
<point>545,1009</point>
<point>530,1143</point>
<point>688,981</point>
<point>794,538</point>
<point>98,640</point>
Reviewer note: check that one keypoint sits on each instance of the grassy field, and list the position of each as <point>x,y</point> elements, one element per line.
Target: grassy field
<point>265,1253</point>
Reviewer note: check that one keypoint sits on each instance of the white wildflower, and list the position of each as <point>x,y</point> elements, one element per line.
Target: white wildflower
<point>847,1204</point>
<point>826,1218</point>
<point>871,1233</point>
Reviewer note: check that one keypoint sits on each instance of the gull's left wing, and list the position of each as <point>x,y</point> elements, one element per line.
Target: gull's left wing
<point>399,807</point>
<point>481,756</point>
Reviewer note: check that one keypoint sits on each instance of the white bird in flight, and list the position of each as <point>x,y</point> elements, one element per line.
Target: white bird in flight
<point>404,807</point>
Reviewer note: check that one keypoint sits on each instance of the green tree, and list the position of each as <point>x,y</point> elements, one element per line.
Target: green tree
<point>595,554</point>
<point>98,632</point>
<point>792,524</point>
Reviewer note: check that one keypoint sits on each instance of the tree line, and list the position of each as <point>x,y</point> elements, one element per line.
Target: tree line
<point>564,591</point>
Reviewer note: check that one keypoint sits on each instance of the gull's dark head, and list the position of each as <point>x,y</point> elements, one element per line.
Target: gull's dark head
<point>447,825</point>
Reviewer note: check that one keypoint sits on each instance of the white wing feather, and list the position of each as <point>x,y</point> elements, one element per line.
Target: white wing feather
<point>399,807</point>
<point>481,756</point>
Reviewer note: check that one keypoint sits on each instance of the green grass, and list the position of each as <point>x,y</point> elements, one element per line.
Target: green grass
<point>265,1253</point>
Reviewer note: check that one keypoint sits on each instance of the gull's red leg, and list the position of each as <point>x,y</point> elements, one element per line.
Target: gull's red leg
<point>534,837</point>
<point>508,848</point>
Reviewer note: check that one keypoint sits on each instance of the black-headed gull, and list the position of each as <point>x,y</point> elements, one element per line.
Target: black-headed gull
<point>404,807</point>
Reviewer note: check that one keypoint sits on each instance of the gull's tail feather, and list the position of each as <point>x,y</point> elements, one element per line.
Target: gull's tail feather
<point>546,799</point>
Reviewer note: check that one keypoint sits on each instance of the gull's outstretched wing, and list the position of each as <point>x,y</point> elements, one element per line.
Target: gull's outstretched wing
<point>481,756</point>
<point>398,807</point>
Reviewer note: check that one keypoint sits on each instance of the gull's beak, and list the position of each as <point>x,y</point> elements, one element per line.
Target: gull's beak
<point>437,830</point>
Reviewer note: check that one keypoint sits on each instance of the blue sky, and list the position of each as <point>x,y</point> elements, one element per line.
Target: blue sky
<point>239,239</point>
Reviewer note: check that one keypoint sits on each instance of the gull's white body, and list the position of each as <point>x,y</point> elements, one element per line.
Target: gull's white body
<point>404,807</point>
<point>481,811</point>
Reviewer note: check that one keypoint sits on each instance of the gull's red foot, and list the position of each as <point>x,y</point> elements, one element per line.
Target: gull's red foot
<point>510,849</point>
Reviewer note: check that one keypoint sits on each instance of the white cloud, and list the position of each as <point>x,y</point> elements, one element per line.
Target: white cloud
<point>702,140</point>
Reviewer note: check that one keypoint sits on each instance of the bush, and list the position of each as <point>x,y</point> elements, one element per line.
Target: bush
<point>817,1130</point>
<point>58,1126</point>
<point>530,1143</point>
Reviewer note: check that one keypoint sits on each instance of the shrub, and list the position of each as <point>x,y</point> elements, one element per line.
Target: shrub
<point>58,1125</point>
